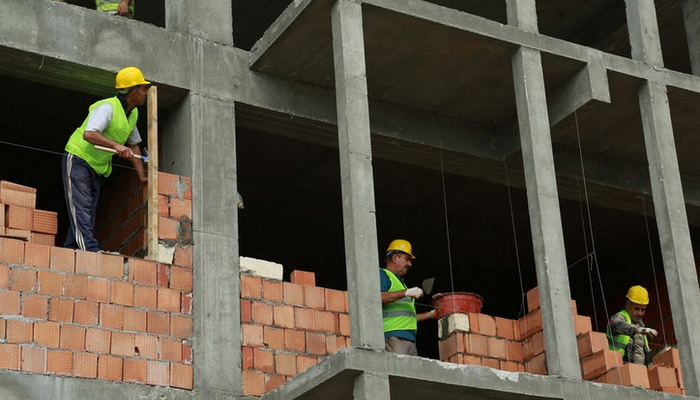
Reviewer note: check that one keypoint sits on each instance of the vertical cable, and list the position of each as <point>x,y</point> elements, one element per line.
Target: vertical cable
<point>447,225</point>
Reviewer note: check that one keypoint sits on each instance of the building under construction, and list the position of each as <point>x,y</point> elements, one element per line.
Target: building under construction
<point>517,144</point>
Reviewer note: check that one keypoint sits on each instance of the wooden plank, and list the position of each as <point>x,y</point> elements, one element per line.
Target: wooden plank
<point>152,173</point>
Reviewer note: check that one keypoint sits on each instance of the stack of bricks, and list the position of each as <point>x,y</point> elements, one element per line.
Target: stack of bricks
<point>123,217</point>
<point>19,217</point>
<point>288,327</point>
<point>665,373</point>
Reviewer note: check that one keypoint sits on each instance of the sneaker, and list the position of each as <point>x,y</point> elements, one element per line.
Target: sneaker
<point>112,253</point>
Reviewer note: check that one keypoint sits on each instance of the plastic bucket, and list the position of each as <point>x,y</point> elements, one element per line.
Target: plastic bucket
<point>460,302</point>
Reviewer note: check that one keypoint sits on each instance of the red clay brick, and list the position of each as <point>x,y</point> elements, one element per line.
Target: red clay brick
<point>9,302</point>
<point>246,311</point>
<point>512,366</point>
<point>326,321</point>
<point>283,316</point>
<point>168,184</point>
<point>335,300</point>
<point>314,297</point>
<point>11,251</point>
<point>273,338</point>
<point>167,228</point>
<point>477,345</point>
<point>344,324</point>
<point>181,326</point>
<point>294,340</point>
<point>62,259</point>
<point>75,286</point>
<point>23,234</point>
<point>305,362</point>
<point>273,291</point>
<point>143,271</point>
<point>86,312</point>
<point>181,376</point>
<point>110,368</point>
<point>253,383</point>
<point>157,373</point>
<point>487,325</point>
<point>531,323</point>
<point>533,299</point>
<point>47,333</point>
<point>23,279</point>
<point>85,365</point>
<point>591,342</point>
<point>42,238</point>
<point>162,275</point>
<point>34,359</point>
<point>10,356</point>
<point>333,343</point>
<point>134,320</point>
<point>61,310</point>
<point>263,360</point>
<point>122,293</point>
<point>303,278</point>
<point>180,208</point>
<point>315,343</point>
<point>181,278</point>
<point>59,362</point>
<point>247,358</point>
<point>451,345</point>
<point>3,326</point>
<point>504,328</point>
<point>598,363</point>
<point>293,294</point>
<point>19,217</point>
<point>168,300</point>
<point>286,364</point>
<point>36,255</point>
<point>45,222</point>
<point>497,348</point>
<point>170,349</point>
<point>490,362</point>
<point>35,306</point>
<point>163,205</point>
<point>135,370</point>
<point>111,316</point>
<point>273,381</point>
<point>4,276</point>
<point>251,287</point>
<point>515,351</point>
<point>145,296</point>
<point>50,283</point>
<point>183,256</point>
<point>98,289</point>
<point>668,358</point>
<point>186,353</point>
<point>112,266</point>
<point>534,345</point>
<point>662,377</point>
<point>628,375</point>
<point>157,323</point>
<point>186,187</point>
<point>123,344</point>
<point>304,318</point>
<point>72,337</point>
<point>87,263</point>
<point>186,303</point>
<point>537,365</point>
<point>252,335</point>
<point>582,324</point>
<point>19,331</point>
<point>146,346</point>
<point>98,340</point>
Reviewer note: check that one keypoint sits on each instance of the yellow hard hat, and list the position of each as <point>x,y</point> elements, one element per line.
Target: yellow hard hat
<point>637,294</point>
<point>129,77</point>
<point>401,245</point>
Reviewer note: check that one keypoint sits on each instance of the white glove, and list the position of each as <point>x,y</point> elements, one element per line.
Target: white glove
<point>414,292</point>
<point>648,331</point>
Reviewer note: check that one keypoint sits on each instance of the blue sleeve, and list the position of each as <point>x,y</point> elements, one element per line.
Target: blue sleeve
<point>384,281</point>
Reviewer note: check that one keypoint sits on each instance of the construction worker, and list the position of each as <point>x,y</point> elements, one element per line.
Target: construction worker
<point>626,332</point>
<point>110,123</point>
<point>123,8</point>
<point>398,301</point>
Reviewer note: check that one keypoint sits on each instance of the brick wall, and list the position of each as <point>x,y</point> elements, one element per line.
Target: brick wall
<point>287,327</point>
<point>19,217</point>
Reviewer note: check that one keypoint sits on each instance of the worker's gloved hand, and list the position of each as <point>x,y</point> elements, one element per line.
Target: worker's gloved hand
<point>648,331</point>
<point>414,292</point>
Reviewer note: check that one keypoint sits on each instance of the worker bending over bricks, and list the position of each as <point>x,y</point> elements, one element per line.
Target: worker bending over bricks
<point>111,123</point>
<point>626,332</point>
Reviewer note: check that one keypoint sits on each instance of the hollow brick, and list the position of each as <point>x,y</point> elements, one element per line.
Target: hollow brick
<point>59,362</point>
<point>98,340</point>
<point>303,278</point>
<point>72,337</point>
<point>181,326</point>
<point>181,376</point>
<point>110,368</point>
<point>85,365</point>
<point>47,333</point>
<point>19,331</point>
<point>34,359</point>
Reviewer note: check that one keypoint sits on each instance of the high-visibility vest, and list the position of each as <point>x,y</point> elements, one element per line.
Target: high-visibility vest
<point>620,341</point>
<point>399,315</point>
<point>118,130</point>
<point>112,5</point>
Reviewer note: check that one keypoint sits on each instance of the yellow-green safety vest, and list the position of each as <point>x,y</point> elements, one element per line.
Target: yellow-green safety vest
<point>399,315</point>
<point>112,5</point>
<point>620,341</point>
<point>118,130</point>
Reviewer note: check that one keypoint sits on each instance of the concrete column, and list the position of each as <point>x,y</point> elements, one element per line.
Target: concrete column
<point>644,32</point>
<point>523,14</point>
<point>357,183</point>
<point>210,19</point>
<point>371,386</point>
<point>674,234</point>
<point>545,217</point>
<point>691,16</point>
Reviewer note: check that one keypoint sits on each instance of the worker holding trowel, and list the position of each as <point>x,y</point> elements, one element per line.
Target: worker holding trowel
<point>398,301</point>
<point>110,124</point>
<point>626,332</point>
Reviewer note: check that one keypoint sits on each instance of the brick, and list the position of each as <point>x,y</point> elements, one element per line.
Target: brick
<point>490,362</point>
<point>183,256</point>
<point>504,328</point>
<point>591,342</point>
<point>45,222</point>
<point>294,340</point>
<point>162,275</point>
<point>122,293</point>
<point>293,294</point>
<point>98,289</point>
<point>59,362</point>
<point>304,318</point>
<point>75,286</point>
<point>170,349</point>
<point>19,331</point>
<point>181,326</point>
<point>314,297</point>
<point>628,375</point>
<point>167,228</point>
<point>315,343</point>
<point>253,383</point>
<point>582,324</point>
<point>252,335</point>
<point>344,324</point>
<point>42,238</point>
<point>145,296</point>
<point>86,313</point>
<point>487,325</point>
<point>123,344</point>
<point>285,364</point>
<point>246,311</point>
<point>85,365</point>
<point>531,323</point>
<point>333,344</point>
<point>143,271</point>
<point>111,316</point>
<point>15,194</point>
<point>273,338</point>
<point>273,291</point>
<point>574,307</point>
<point>283,316</point>
<point>303,278</point>
<point>35,306</point>
<point>180,208</point>
<point>98,340</point>
<point>661,377</point>
<point>19,217</point>
<point>112,266</point>
<point>134,320</point>
<point>452,345</point>
<point>11,251</point>
<point>305,362</point>
<point>186,353</point>
<point>497,348</point>
<point>679,377</point>
<point>10,356</point>
<point>168,300</point>
<point>146,346</point>
<point>34,359</point>
<point>23,279</point>
<point>186,303</point>
<point>537,365</point>
<point>37,255</point>
<point>477,344</point>
<point>157,373</point>
<point>157,323</point>
<point>181,278</point>
<point>326,321</point>
<point>22,234</point>
<point>251,287</point>
<point>62,259</point>
<point>335,300</point>
<point>534,345</point>
<point>50,283</point>
<point>61,310</point>
<point>135,370</point>
<point>515,351</point>
<point>9,302</point>
<point>600,362</point>
<point>163,205</point>
<point>263,360</point>
<point>181,376</point>
<point>169,185</point>
<point>110,368</point>
<point>246,358</point>
<point>668,358</point>
<point>3,329</point>
<point>47,333</point>
<point>4,276</point>
<point>533,299</point>
<point>88,263</point>
<point>186,187</point>
<point>511,366</point>
<point>72,337</point>
<point>273,381</point>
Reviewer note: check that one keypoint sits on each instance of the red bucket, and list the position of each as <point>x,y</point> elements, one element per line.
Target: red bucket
<point>461,302</point>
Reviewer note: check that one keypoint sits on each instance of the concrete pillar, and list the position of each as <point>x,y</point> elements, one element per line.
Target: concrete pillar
<point>523,14</point>
<point>545,217</point>
<point>371,387</point>
<point>674,234</point>
<point>210,19</point>
<point>644,32</point>
<point>357,183</point>
<point>691,16</point>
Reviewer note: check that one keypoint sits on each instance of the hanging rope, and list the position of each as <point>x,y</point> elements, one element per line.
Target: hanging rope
<point>447,226</point>
<point>653,267</point>
<point>522,311</point>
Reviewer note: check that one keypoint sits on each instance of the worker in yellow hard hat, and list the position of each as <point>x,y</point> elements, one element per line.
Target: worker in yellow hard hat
<point>626,332</point>
<point>111,123</point>
<point>398,301</point>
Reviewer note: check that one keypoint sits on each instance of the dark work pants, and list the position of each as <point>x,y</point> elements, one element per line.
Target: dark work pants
<point>81,186</point>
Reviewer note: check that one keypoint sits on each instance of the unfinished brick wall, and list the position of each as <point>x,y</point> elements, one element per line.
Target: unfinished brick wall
<point>287,327</point>
<point>19,217</point>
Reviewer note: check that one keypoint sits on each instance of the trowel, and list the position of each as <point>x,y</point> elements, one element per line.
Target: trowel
<point>428,285</point>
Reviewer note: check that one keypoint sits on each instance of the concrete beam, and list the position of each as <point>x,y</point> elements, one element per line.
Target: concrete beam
<point>674,234</point>
<point>691,17</point>
<point>545,217</point>
<point>209,20</point>
<point>644,32</point>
